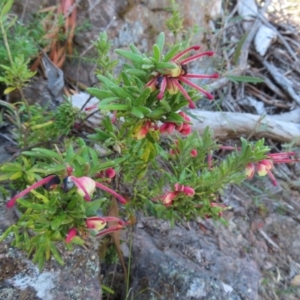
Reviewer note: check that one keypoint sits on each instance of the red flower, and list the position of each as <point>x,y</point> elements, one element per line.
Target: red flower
<point>184,128</point>
<point>171,79</point>
<point>98,223</point>
<point>71,234</point>
<point>167,198</point>
<point>194,153</point>
<point>86,187</point>
<point>265,166</point>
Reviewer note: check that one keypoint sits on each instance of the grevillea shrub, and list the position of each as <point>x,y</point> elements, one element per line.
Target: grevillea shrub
<point>153,161</point>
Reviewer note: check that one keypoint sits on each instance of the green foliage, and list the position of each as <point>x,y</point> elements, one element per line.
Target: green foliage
<point>40,125</point>
<point>19,45</point>
<point>176,178</point>
<point>17,74</point>
<point>46,216</point>
<point>175,22</point>
<point>103,47</point>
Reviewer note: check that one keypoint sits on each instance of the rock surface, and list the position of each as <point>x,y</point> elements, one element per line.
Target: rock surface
<point>77,279</point>
<point>181,263</point>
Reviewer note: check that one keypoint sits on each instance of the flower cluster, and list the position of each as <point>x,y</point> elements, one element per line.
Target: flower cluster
<point>184,128</point>
<point>171,79</point>
<point>265,166</point>
<point>167,198</point>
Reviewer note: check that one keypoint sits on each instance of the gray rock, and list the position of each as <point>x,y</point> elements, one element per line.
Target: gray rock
<point>77,279</point>
<point>176,263</point>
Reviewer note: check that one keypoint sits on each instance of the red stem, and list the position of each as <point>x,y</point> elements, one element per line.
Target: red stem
<point>41,182</point>
<point>112,192</point>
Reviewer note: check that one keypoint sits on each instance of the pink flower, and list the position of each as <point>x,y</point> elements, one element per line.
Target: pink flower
<point>86,187</point>
<point>184,189</point>
<point>110,173</point>
<point>71,234</point>
<point>98,223</point>
<point>194,153</point>
<point>184,128</point>
<point>265,166</point>
<point>189,191</point>
<point>250,170</point>
<point>167,127</point>
<point>168,198</point>
<point>49,183</point>
<point>171,79</point>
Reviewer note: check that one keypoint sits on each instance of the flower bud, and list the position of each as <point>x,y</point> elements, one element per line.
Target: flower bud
<point>71,234</point>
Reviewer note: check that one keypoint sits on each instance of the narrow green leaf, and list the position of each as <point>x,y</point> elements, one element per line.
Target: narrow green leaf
<point>99,135</point>
<point>6,233</point>
<point>157,113</point>
<point>179,105</point>
<point>57,222</point>
<point>129,55</point>
<point>161,42</point>
<point>72,204</point>
<point>56,253</point>
<point>147,66</point>
<point>249,79</point>
<point>6,7</point>
<point>175,118</point>
<point>109,100</point>
<point>126,79</point>
<point>156,52</point>
<point>70,153</point>
<point>35,206</point>
<point>100,94</point>
<point>92,207</point>
<point>114,107</point>
<point>94,156</point>
<point>56,169</point>
<point>120,92</point>
<point>136,72</point>
<point>11,167</point>
<point>134,49</point>
<point>172,52</point>
<point>47,153</point>
<point>137,113</point>
<point>165,65</point>
<point>106,81</point>
<point>142,97</point>
<point>166,105</point>
<point>106,289</point>
<point>145,110</point>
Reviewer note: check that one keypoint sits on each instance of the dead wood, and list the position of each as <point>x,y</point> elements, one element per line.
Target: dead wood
<point>228,125</point>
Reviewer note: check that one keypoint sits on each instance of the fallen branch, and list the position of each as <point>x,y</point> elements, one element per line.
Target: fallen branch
<point>228,125</point>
